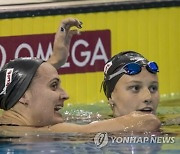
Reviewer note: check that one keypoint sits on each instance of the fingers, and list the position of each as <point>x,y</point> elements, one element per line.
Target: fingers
<point>70,35</point>
<point>66,24</point>
<point>74,32</point>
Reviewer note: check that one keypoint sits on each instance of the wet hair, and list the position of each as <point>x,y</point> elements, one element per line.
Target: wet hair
<point>15,78</point>
<point>114,64</point>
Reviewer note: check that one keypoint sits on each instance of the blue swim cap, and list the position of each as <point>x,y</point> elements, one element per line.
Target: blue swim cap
<point>15,78</point>
<point>116,63</point>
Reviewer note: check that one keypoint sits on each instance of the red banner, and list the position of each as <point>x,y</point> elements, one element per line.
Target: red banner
<point>88,52</point>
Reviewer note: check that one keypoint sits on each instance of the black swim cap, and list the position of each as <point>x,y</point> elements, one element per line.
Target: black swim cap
<point>116,63</point>
<point>15,78</point>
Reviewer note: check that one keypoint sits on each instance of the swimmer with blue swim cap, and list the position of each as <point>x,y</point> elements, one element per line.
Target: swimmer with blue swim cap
<point>131,83</point>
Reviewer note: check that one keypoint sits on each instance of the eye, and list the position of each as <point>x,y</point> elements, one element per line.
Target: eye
<point>153,88</point>
<point>135,88</point>
<point>54,86</point>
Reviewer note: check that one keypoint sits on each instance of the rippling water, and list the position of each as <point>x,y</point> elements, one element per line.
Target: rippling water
<point>84,143</point>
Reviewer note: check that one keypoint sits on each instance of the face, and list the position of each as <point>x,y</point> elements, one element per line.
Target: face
<point>135,93</point>
<point>46,97</point>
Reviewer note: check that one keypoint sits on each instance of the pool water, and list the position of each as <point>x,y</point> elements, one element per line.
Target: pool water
<point>75,143</point>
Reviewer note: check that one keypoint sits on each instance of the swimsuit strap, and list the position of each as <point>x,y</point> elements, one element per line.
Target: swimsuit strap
<point>9,125</point>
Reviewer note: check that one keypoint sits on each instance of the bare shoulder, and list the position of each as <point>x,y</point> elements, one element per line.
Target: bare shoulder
<point>16,130</point>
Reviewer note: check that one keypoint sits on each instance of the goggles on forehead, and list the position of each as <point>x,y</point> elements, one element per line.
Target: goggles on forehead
<point>134,68</point>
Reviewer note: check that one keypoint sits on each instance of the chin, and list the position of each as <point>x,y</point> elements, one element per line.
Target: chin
<point>54,121</point>
<point>154,112</point>
<point>117,115</point>
<point>58,120</point>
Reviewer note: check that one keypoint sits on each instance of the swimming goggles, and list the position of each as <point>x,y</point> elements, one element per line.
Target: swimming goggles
<point>134,68</point>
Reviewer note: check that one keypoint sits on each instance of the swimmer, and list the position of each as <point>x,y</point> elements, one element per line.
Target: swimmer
<point>131,84</point>
<point>32,97</point>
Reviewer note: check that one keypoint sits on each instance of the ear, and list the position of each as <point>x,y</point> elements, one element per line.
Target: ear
<point>111,102</point>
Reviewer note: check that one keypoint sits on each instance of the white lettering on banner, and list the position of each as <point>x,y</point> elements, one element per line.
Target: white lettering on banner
<point>86,54</point>
<point>40,53</point>
<point>67,64</point>
<point>99,47</point>
<point>85,51</point>
<point>3,52</point>
<point>26,46</point>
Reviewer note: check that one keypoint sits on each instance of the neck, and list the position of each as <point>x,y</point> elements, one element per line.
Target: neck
<point>13,117</point>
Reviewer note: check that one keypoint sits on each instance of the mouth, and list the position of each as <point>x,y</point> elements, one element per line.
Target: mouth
<point>146,110</point>
<point>58,117</point>
<point>57,108</point>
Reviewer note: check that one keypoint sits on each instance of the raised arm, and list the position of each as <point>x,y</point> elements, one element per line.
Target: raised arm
<point>62,41</point>
<point>135,121</point>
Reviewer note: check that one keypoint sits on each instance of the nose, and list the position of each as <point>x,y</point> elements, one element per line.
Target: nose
<point>63,94</point>
<point>147,97</point>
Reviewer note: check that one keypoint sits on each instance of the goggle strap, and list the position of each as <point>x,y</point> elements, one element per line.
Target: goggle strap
<point>117,73</point>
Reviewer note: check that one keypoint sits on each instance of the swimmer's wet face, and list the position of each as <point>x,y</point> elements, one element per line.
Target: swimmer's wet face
<point>131,83</point>
<point>135,93</point>
<point>45,97</point>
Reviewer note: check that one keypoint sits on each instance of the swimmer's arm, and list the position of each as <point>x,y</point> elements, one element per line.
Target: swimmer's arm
<point>132,122</point>
<point>62,42</point>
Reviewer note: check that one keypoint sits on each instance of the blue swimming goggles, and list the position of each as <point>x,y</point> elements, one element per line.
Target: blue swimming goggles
<point>134,68</point>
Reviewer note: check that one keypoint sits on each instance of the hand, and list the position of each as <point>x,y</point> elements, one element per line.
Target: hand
<point>144,122</point>
<point>62,41</point>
